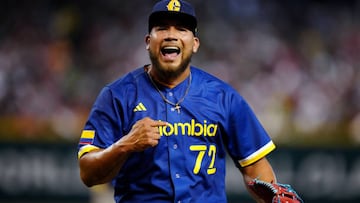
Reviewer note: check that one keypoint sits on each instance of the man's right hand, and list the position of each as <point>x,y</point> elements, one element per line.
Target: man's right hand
<point>144,134</point>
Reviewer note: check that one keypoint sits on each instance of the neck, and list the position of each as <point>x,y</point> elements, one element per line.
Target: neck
<point>167,81</point>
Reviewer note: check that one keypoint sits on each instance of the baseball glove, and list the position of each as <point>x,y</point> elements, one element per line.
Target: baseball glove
<point>274,192</point>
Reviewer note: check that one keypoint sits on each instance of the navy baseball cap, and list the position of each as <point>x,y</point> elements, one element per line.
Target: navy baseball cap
<point>178,10</point>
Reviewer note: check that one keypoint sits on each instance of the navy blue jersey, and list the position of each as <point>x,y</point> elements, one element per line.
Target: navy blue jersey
<point>188,164</point>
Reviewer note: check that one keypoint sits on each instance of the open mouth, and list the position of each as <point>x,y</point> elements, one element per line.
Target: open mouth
<point>170,51</point>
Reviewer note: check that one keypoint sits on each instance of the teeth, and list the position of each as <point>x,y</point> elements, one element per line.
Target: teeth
<point>170,49</point>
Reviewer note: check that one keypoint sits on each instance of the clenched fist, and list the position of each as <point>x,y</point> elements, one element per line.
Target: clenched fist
<point>143,134</point>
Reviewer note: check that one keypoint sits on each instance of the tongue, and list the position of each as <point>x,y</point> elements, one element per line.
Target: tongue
<point>170,56</point>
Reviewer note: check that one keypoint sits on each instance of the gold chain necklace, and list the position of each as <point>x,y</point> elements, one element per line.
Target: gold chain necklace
<point>176,105</point>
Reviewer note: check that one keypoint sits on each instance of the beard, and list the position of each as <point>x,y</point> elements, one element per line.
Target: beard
<point>169,73</point>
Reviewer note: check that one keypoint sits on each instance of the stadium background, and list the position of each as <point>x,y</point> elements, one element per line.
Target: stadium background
<point>296,62</point>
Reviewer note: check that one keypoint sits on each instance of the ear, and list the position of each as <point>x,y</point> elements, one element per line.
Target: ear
<point>147,41</point>
<point>196,44</point>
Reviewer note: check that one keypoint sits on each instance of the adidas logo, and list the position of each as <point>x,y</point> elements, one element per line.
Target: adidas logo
<point>140,107</point>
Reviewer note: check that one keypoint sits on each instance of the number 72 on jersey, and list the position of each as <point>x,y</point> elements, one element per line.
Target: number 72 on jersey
<point>202,151</point>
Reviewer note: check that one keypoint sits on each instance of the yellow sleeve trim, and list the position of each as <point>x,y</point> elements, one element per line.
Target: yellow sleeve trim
<point>263,151</point>
<point>85,149</point>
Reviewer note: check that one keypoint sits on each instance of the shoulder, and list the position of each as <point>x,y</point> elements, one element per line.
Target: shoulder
<point>203,79</point>
<point>216,90</point>
<point>124,87</point>
<point>127,82</point>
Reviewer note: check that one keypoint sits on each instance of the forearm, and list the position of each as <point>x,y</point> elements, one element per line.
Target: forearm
<point>261,170</point>
<point>101,166</point>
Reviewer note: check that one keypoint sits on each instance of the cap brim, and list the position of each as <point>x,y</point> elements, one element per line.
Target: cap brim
<point>157,18</point>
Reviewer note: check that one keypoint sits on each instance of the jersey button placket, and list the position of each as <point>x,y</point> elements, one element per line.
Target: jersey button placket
<point>175,145</point>
<point>171,95</point>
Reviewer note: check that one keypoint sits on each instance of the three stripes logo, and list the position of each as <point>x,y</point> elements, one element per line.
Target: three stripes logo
<point>139,107</point>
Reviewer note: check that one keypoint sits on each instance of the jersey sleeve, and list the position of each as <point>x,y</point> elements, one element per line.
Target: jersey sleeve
<point>103,125</point>
<point>247,140</point>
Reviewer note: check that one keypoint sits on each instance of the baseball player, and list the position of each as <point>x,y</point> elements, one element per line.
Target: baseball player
<point>161,132</point>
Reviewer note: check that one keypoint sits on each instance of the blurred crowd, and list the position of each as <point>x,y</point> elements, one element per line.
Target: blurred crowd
<point>296,62</point>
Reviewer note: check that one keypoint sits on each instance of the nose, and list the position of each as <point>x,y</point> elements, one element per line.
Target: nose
<point>171,34</point>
